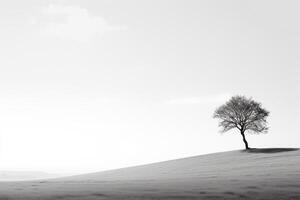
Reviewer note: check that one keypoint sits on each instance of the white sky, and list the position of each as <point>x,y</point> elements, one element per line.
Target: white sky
<point>93,85</point>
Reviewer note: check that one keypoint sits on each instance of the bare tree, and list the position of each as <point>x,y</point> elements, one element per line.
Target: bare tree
<point>244,114</point>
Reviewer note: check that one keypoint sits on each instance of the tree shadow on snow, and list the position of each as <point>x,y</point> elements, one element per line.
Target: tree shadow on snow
<point>269,150</point>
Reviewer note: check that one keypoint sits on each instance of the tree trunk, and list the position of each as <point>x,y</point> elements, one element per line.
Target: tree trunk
<point>244,140</point>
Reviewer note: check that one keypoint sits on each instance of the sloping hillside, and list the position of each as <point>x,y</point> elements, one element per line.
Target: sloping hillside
<point>237,163</point>
<point>255,174</point>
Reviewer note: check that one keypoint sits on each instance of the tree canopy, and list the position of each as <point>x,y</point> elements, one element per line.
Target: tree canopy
<point>242,113</point>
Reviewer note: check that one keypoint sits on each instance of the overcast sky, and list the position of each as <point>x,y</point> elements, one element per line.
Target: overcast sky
<point>93,85</point>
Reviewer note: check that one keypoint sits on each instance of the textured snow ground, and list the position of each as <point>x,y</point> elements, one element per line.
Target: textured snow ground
<point>258,174</point>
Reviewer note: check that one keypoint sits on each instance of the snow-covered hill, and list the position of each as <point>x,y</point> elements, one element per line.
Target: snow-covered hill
<point>256,174</point>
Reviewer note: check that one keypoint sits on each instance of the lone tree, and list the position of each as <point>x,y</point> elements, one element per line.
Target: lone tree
<point>244,114</point>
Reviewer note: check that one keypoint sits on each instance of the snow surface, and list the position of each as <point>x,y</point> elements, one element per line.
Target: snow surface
<point>256,174</point>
